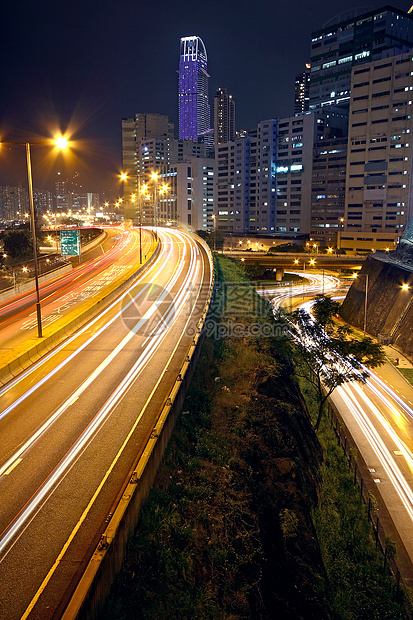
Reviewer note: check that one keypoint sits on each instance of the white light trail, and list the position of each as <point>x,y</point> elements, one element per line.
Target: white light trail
<point>18,526</point>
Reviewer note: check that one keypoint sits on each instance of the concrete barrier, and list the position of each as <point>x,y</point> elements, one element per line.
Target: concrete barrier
<point>29,286</point>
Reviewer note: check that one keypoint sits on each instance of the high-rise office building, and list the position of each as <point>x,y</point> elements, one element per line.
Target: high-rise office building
<point>194,110</point>
<point>351,39</point>
<point>224,117</point>
<point>302,91</point>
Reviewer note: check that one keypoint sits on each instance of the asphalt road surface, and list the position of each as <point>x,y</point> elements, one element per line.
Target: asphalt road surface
<point>73,425</point>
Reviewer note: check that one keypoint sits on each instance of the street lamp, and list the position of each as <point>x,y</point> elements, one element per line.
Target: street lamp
<point>61,143</point>
<point>163,191</point>
<point>155,177</point>
<point>214,217</point>
<point>364,275</point>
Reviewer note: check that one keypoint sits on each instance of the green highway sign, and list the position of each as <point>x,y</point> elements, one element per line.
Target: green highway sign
<point>70,242</point>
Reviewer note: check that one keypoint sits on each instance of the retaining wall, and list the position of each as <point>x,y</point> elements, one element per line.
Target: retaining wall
<point>389,307</point>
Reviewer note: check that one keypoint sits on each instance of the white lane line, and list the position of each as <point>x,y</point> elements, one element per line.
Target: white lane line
<point>96,373</point>
<point>71,339</point>
<point>95,495</point>
<point>6,473</point>
<point>19,525</point>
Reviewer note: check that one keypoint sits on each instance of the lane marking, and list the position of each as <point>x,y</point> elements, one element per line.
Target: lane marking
<point>6,473</point>
<point>108,472</point>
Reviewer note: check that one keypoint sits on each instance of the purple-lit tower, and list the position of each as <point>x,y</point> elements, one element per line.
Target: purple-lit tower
<point>194,111</point>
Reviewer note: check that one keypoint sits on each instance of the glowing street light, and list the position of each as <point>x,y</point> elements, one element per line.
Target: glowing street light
<point>61,143</point>
<point>155,178</point>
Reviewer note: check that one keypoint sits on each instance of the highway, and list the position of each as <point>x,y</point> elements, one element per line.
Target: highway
<point>286,260</point>
<point>74,424</point>
<point>379,416</point>
<point>18,320</point>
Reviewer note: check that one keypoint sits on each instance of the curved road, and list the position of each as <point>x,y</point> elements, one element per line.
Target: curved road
<point>73,425</point>
<point>379,416</point>
<point>18,320</point>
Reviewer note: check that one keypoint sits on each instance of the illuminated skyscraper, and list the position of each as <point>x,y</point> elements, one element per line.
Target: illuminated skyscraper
<point>194,111</point>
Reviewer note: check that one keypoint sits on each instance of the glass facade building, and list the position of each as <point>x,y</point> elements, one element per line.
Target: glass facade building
<point>194,110</point>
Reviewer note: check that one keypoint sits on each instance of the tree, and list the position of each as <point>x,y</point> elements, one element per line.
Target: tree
<point>324,310</point>
<point>329,360</point>
<point>215,239</point>
<point>18,243</point>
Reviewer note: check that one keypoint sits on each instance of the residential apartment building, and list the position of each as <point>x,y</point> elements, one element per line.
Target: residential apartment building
<point>145,153</point>
<point>189,199</point>
<point>352,39</point>
<point>379,167</point>
<point>245,185</point>
<point>43,201</point>
<point>297,136</point>
<point>14,203</point>
<point>328,190</point>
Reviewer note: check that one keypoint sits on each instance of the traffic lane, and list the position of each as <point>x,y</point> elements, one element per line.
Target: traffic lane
<point>382,458</point>
<point>69,399</point>
<point>51,367</point>
<point>395,415</point>
<point>50,291</point>
<point>21,298</point>
<point>99,450</point>
<point>24,325</point>
<point>22,422</point>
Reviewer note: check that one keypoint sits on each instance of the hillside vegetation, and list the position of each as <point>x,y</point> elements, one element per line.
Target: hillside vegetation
<point>228,529</point>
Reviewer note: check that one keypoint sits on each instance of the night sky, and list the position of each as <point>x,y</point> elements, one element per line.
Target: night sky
<point>82,66</point>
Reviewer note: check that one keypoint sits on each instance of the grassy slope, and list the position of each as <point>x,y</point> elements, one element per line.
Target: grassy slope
<point>227,530</point>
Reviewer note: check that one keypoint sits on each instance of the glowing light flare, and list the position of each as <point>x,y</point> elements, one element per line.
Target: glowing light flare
<point>61,143</point>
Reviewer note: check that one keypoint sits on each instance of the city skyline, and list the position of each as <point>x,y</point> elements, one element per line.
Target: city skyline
<point>85,70</point>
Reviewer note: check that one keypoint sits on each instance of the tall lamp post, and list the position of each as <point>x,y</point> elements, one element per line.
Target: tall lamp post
<point>364,275</point>
<point>155,177</point>
<point>214,217</point>
<point>60,143</point>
